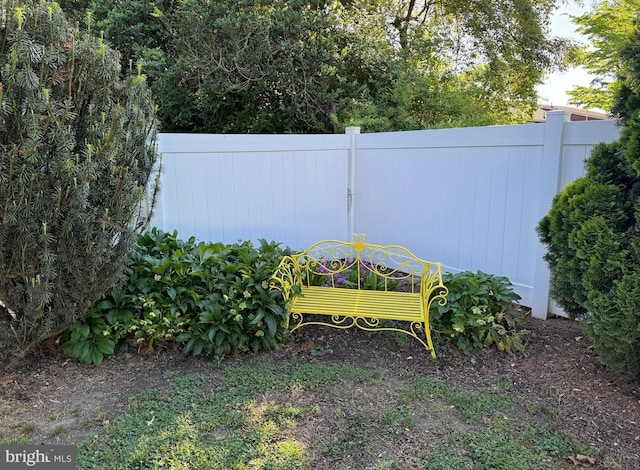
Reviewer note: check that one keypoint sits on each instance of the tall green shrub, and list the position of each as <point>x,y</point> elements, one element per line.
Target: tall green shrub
<point>592,235</point>
<point>77,152</point>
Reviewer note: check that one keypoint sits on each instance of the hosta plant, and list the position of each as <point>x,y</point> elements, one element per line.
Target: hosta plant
<point>478,313</point>
<point>211,297</point>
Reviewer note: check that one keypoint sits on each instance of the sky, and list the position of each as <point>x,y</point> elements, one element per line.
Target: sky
<point>553,91</point>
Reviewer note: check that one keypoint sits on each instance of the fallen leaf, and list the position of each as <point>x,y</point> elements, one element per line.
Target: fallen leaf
<point>582,460</point>
<point>308,346</point>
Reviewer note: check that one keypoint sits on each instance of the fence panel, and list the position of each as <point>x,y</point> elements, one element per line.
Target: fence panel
<point>290,189</point>
<point>466,198</point>
<point>579,140</point>
<point>471,198</point>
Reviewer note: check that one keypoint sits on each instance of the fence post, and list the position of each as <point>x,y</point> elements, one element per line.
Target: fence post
<point>157,218</point>
<point>549,187</point>
<point>352,132</point>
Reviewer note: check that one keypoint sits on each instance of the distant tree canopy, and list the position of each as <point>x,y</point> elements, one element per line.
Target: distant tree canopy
<point>609,28</point>
<point>274,66</point>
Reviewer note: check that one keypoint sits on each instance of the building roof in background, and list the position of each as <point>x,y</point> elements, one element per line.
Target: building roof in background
<point>576,114</point>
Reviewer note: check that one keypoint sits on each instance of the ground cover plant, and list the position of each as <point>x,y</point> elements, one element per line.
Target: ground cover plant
<point>234,422</point>
<point>478,313</point>
<point>210,297</point>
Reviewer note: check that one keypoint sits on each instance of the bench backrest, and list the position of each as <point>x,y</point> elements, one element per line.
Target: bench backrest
<point>361,265</point>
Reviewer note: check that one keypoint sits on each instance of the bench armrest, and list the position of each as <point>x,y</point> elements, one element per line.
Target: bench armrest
<point>439,292</point>
<point>432,287</point>
<point>287,278</point>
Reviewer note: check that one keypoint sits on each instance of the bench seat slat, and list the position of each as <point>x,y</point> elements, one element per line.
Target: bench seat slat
<point>361,303</point>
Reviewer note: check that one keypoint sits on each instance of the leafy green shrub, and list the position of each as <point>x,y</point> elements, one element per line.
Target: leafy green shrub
<point>242,311</point>
<point>77,151</point>
<point>213,298</point>
<point>92,338</point>
<point>477,313</point>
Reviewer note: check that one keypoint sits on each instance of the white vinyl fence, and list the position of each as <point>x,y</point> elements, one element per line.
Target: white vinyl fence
<point>469,198</point>
<point>223,188</point>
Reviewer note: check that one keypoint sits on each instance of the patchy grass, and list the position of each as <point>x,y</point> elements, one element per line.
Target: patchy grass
<point>310,416</point>
<point>234,423</point>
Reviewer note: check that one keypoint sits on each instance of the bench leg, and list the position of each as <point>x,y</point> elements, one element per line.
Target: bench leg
<point>427,333</point>
<point>416,329</point>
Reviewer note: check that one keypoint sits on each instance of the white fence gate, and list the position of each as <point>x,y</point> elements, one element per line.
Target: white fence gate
<point>470,198</point>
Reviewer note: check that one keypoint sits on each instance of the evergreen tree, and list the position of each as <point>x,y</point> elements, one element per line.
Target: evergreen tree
<point>77,166</point>
<point>593,235</point>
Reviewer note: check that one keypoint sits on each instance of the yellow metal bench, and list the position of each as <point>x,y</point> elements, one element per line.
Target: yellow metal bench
<point>358,284</point>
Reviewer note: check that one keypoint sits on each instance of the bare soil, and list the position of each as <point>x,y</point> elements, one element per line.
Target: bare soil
<point>53,399</point>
